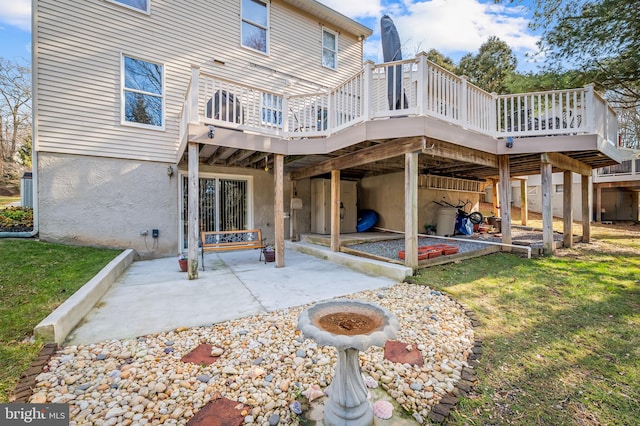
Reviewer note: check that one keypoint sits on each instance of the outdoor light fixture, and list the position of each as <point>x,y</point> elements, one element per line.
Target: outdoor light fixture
<point>170,171</point>
<point>212,131</point>
<point>509,142</point>
<point>266,163</point>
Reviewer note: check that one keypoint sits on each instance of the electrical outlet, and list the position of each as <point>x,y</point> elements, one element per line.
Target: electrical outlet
<point>145,232</point>
<point>154,233</point>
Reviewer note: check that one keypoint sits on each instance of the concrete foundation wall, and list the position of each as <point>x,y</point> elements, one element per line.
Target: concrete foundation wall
<point>107,202</point>
<point>385,195</point>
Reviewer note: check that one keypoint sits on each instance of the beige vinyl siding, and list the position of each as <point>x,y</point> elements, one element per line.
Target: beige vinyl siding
<point>78,48</point>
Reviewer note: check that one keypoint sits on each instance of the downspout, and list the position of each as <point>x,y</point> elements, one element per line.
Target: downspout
<point>466,240</point>
<point>34,154</point>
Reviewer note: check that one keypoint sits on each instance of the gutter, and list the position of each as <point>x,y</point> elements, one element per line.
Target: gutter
<point>466,240</point>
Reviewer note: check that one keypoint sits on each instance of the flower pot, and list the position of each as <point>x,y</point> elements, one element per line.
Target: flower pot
<point>184,264</point>
<point>269,256</point>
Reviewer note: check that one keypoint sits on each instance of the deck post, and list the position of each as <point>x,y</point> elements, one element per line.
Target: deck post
<point>367,90</point>
<point>547,212</point>
<point>194,115</point>
<point>494,198</point>
<point>598,204</point>
<point>293,221</point>
<point>463,101</point>
<point>278,162</point>
<point>411,210</point>
<point>335,210</point>
<point>524,203</point>
<point>586,203</point>
<point>193,205</point>
<point>505,199</point>
<point>421,98</point>
<point>567,208</point>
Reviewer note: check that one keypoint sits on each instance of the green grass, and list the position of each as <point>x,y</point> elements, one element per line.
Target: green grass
<point>36,277</point>
<point>561,342</point>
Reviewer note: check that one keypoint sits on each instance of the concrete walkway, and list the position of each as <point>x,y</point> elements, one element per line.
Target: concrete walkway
<point>154,296</point>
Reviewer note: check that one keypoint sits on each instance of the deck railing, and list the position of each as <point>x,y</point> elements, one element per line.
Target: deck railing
<point>412,87</point>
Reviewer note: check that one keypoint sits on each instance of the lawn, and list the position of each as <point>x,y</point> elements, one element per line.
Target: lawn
<point>36,277</point>
<point>561,345</point>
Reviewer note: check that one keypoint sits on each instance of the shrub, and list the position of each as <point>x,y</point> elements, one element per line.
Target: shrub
<point>13,218</point>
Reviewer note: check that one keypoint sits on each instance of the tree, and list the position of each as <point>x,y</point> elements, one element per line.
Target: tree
<point>439,59</point>
<point>600,37</point>
<point>15,114</point>
<point>491,67</point>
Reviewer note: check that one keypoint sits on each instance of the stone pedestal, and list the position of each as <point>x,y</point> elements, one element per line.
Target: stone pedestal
<point>348,403</point>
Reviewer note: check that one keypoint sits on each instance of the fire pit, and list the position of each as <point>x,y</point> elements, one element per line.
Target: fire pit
<point>351,326</point>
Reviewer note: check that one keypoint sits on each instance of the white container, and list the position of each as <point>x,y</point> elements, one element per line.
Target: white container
<point>446,221</point>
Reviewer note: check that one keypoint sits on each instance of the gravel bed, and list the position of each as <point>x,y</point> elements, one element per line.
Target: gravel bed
<point>390,248</point>
<point>264,363</point>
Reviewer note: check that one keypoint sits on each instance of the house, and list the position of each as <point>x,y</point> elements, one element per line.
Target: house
<point>242,103</point>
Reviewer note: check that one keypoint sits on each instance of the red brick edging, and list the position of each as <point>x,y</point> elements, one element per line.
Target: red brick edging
<point>24,389</point>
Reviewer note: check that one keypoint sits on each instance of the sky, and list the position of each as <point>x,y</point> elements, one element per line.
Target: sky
<point>453,27</point>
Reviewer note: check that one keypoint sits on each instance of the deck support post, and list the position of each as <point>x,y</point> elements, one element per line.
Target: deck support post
<point>598,204</point>
<point>524,202</point>
<point>335,210</point>
<point>293,221</point>
<point>567,209</point>
<point>547,212</point>
<point>278,182</point>
<point>494,198</point>
<point>411,210</point>
<point>505,199</point>
<point>193,205</point>
<point>586,203</point>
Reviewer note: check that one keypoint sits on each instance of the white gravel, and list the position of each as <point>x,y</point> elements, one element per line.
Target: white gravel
<point>265,364</point>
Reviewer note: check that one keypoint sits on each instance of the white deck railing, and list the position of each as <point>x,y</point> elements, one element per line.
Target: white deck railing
<point>413,87</point>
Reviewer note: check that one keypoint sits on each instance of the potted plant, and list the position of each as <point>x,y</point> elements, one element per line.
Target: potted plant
<point>269,253</point>
<point>183,262</point>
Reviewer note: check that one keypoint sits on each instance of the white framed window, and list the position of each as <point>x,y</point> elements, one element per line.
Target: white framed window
<point>255,25</point>
<point>272,110</point>
<point>139,5</point>
<point>142,93</point>
<point>329,49</point>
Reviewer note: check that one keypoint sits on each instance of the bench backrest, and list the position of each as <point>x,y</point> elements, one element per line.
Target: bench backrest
<point>241,238</point>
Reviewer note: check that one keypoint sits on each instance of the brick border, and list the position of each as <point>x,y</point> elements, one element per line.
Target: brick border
<point>468,379</point>
<point>27,382</point>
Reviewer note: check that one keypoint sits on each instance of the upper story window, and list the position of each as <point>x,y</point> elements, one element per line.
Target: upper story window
<point>141,5</point>
<point>255,25</point>
<point>329,49</point>
<point>142,93</point>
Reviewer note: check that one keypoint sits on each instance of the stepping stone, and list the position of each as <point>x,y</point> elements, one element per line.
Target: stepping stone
<point>219,412</point>
<point>396,351</point>
<point>200,355</point>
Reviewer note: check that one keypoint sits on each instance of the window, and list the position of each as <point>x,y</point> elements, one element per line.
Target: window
<point>329,49</point>
<point>559,188</point>
<point>255,25</point>
<point>272,110</point>
<point>224,204</point>
<point>141,5</point>
<point>142,93</point>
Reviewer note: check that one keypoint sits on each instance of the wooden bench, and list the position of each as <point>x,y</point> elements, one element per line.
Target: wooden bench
<point>232,240</point>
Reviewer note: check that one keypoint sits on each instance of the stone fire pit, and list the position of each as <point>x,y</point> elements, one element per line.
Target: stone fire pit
<point>351,326</point>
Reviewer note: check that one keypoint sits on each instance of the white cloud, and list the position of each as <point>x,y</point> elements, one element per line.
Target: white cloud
<point>454,27</point>
<point>355,8</point>
<point>16,13</point>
